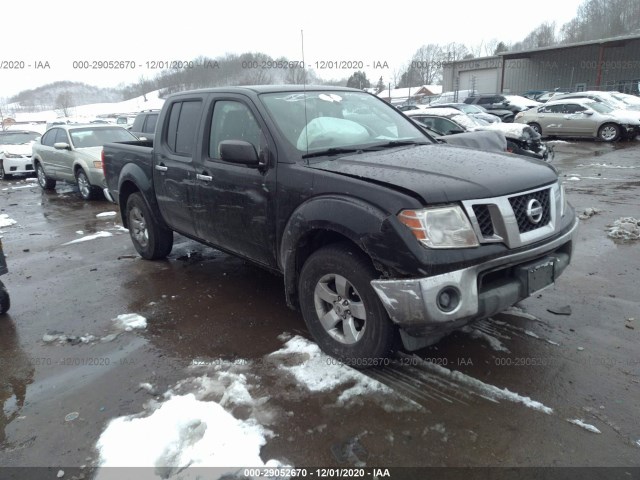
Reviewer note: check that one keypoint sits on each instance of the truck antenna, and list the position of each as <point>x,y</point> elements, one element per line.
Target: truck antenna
<point>304,88</point>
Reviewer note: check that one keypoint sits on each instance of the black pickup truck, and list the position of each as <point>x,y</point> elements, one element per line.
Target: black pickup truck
<point>377,229</point>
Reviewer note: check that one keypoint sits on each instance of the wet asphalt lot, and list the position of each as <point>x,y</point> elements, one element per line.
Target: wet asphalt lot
<point>203,304</point>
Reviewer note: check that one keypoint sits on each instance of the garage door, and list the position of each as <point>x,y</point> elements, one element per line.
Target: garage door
<point>483,81</point>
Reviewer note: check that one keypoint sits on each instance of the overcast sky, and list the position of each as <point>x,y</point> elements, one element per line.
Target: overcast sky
<point>63,31</point>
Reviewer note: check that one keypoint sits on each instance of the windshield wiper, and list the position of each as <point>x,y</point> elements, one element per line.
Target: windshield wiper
<point>331,151</point>
<point>395,143</point>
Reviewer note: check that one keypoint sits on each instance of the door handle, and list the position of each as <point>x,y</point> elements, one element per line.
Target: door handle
<point>204,178</point>
<point>161,168</point>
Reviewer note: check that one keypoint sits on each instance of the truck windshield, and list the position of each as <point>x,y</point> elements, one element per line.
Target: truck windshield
<point>315,120</point>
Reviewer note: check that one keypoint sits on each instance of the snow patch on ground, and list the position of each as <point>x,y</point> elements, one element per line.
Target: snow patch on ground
<point>318,372</point>
<point>125,322</point>
<point>518,312</point>
<point>5,221</point>
<point>196,423</point>
<point>106,214</point>
<point>625,228</point>
<point>89,237</point>
<point>129,321</point>
<point>588,213</point>
<point>604,165</point>
<point>490,391</point>
<point>573,179</point>
<point>493,342</point>
<point>586,426</point>
<point>182,432</point>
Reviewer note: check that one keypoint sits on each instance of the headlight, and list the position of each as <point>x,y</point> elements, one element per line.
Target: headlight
<point>519,115</point>
<point>563,200</point>
<point>440,227</point>
<point>12,155</point>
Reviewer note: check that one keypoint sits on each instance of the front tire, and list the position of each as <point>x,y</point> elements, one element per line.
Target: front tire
<point>45,182</point>
<point>150,239</point>
<point>536,127</point>
<point>5,302</point>
<point>4,175</point>
<point>87,191</point>
<point>340,308</point>
<point>609,132</point>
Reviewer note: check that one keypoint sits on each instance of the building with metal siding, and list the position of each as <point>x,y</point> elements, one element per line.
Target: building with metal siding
<point>608,64</point>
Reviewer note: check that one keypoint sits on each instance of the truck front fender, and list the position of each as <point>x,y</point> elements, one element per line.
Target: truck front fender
<point>320,221</point>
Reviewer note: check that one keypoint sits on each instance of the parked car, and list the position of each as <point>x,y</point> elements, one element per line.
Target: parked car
<point>521,141</point>
<point>73,153</point>
<point>631,101</point>
<point>376,229</point>
<point>125,121</point>
<point>605,97</point>
<point>475,111</point>
<point>545,97</point>
<point>534,94</point>
<point>495,104</point>
<point>144,125</point>
<point>486,141</point>
<point>522,103</point>
<point>15,152</point>
<point>580,117</point>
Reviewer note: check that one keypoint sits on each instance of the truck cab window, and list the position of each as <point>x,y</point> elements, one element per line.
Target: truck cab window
<point>233,121</point>
<point>183,124</point>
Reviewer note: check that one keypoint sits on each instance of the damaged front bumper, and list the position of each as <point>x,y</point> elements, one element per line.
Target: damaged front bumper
<point>428,308</point>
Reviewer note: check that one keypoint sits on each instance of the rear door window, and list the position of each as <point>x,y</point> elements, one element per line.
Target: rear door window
<point>184,120</point>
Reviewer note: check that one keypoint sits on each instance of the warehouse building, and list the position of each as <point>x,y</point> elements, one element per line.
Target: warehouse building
<point>607,64</point>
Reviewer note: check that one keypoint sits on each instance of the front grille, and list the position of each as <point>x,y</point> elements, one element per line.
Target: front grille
<point>519,205</point>
<point>484,220</point>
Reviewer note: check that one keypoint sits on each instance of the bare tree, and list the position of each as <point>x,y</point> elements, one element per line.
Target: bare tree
<point>64,102</point>
<point>426,64</point>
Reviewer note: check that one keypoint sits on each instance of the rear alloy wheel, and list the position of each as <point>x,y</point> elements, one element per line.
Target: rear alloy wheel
<point>342,311</point>
<point>609,132</point>
<point>87,191</point>
<point>536,127</point>
<point>150,239</point>
<point>45,182</point>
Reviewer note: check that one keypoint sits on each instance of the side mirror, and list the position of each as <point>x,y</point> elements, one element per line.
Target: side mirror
<point>239,151</point>
<point>61,146</point>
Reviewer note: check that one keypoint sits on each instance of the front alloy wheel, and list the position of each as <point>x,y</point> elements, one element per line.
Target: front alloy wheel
<point>609,132</point>
<point>340,309</point>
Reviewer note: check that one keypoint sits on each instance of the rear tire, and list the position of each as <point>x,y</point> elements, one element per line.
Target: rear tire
<point>150,239</point>
<point>5,302</point>
<point>87,191</point>
<point>609,132</point>
<point>342,311</point>
<point>45,182</point>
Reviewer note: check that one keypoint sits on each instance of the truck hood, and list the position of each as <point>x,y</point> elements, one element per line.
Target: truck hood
<point>442,173</point>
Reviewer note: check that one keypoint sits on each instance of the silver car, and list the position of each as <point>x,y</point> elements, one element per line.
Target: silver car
<point>580,118</point>
<point>73,153</point>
